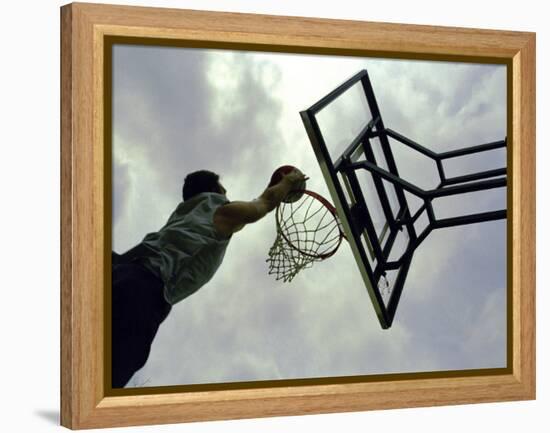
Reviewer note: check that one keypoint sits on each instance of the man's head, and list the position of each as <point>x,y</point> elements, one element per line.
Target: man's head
<point>201,181</point>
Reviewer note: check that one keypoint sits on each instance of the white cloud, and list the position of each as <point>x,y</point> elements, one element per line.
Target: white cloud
<point>238,113</point>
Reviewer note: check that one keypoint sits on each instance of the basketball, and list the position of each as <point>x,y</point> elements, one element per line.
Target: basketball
<point>277,176</point>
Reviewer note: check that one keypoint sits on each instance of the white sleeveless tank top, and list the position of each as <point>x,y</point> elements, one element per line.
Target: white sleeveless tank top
<point>187,251</point>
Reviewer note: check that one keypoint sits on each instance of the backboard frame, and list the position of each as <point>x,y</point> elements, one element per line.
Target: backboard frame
<point>340,173</point>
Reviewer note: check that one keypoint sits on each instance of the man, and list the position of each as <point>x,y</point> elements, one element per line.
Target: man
<point>175,262</point>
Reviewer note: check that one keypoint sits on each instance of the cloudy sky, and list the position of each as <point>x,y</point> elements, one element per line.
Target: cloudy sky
<point>237,113</point>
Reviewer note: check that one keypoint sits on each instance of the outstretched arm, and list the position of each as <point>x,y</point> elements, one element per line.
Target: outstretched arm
<point>233,216</point>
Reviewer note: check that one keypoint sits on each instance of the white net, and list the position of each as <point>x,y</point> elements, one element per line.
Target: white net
<point>308,230</point>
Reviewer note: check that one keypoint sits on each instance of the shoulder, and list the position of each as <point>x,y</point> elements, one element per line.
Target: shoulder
<point>218,199</point>
<point>203,201</point>
<point>213,199</point>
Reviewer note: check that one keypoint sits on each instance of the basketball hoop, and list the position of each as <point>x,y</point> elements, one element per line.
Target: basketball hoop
<point>308,231</point>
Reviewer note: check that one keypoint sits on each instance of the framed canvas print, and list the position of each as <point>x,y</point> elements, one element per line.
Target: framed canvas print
<point>266,215</point>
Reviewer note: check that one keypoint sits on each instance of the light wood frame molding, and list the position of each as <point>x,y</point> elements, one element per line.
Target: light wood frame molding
<point>85,400</point>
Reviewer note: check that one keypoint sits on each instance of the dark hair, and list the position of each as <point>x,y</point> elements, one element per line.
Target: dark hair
<point>200,181</point>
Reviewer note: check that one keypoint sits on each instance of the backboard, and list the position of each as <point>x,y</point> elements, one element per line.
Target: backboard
<point>372,209</point>
<point>385,218</point>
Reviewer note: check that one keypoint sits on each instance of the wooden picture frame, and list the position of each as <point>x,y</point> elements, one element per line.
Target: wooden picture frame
<point>86,401</point>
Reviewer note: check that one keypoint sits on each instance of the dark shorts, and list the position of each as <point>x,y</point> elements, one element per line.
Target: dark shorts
<point>138,309</point>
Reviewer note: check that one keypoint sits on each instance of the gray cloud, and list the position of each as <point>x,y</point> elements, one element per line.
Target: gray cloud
<point>237,113</point>
<point>120,182</point>
<point>475,272</point>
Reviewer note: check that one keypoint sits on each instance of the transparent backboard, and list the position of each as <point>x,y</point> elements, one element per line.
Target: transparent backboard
<point>346,130</point>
